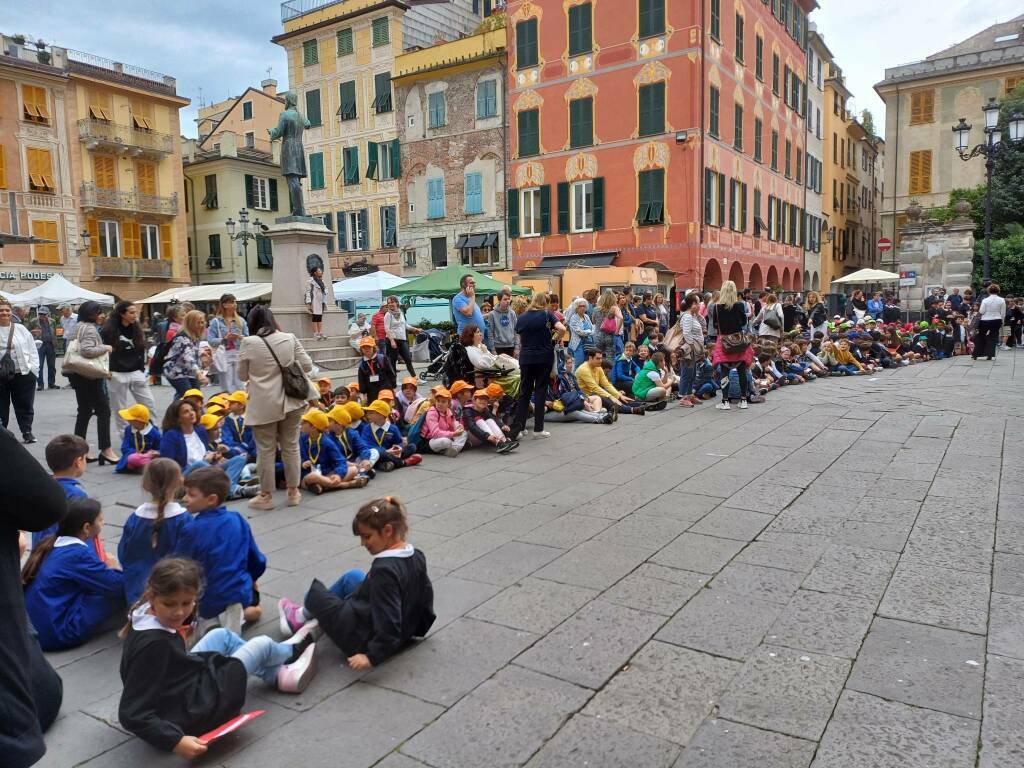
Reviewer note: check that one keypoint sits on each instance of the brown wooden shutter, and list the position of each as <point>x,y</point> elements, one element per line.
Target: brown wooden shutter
<point>166,251</point>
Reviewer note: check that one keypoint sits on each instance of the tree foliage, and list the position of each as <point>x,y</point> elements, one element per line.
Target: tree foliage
<point>868,121</point>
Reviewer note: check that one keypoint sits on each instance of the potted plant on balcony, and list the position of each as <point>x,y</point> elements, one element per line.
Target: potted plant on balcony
<point>42,55</point>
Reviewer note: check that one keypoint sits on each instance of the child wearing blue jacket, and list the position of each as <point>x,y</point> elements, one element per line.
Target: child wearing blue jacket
<point>66,458</point>
<point>353,447</point>
<point>704,384</point>
<point>386,438</point>
<point>69,592</point>
<point>625,370</point>
<point>141,441</point>
<point>154,529</point>
<point>221,541</point>
<point>235,432</point>
<point>323,466</point>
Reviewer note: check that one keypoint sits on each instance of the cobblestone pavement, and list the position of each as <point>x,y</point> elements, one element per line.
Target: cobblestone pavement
<point>832,579</point>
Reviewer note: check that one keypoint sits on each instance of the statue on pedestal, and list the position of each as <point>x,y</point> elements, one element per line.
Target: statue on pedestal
<point>293,159</point>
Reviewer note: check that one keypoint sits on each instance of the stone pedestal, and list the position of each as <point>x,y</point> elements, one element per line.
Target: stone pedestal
<point>294,239</point>
<point>941,255</point>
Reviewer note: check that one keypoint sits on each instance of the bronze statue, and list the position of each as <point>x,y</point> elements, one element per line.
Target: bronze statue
<point>293,159</point>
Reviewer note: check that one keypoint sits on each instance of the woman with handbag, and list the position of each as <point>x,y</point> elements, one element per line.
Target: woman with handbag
<point>276,366</point>
<point>581,330</point>
<point>225,334</point>
<point>691,349</point>
<point>19,364</point>
<point>733,348</point>
<point>817,315</point>
<point>608,319</point>
<point>128,382</point>
<point>770,320</point>
<point>89,381</point>
<point>182,366</point>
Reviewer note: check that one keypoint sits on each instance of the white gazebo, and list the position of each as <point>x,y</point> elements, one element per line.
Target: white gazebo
<point>368,287</point>
<point>58,290</point>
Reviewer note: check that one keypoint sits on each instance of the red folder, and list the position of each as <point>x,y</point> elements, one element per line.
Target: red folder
<point>231,726</point>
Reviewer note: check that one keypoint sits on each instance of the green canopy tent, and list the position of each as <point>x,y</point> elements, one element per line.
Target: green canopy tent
<point>444,283</point>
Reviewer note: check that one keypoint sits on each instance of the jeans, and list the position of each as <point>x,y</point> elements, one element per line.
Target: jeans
<point>606,343</point>
<point>268,437</point>
<point>533,384</point>
<point>579,355</point>
<point>183,385</point>
<point>233,467</point>
<point>687,373</point>
<point>21,390</point>
<point>619,344</point>
<point>91,395</point>
<point>846,370</point>
<point>126,389</point>
<point>741,373</point>
<point>47,356</point>
<point>261,656</point>
<point>401,349</point>
<point>347,583</point>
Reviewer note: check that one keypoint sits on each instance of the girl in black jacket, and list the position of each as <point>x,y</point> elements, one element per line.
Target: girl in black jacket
<point>371,616</point>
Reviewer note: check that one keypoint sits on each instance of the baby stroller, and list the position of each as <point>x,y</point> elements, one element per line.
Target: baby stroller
<point>434,339</point>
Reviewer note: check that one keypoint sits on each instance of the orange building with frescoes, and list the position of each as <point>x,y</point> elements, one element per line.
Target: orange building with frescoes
<point>659,133</point>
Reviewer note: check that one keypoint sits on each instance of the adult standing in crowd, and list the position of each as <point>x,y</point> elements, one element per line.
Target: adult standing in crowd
<point>46,339</point>
<point>581,330</point>
<point>68,321</point>
<point>226,331</point>
<point>876,305</point>
<point>273,415</point>
<point>536,328</point>
<point>771,319</point>
<point>19,364</point>
<point>316,301</point>
<point>691,349</point>
<point>956,299</point>
<point>182,365</point>
<point>464,307</point>
<point>357,329</point>
<point>993,312</point>
<point>397,330</point>
<point>648,317</point>
<point>608,322</point>
<point>501,325</point>
<point>817,315</point>
<point>731,318</point>
<point>663,313</point>
<point>91,394</point>
<point>128,382</point>
<point>175,318</point>
<point>858,306</point>
<point>380,334</point>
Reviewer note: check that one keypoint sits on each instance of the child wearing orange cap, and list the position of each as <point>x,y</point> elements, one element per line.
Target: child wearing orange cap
<point>393,450</point>
<point>389,397</point>
<point>481,426</point>
<point>443,433</point>
<point>326,401</point>
<point>375,371</point>
<point>406,396</point>
<point>462,393</point>
<point>141,441</point>
<point>323,466</point>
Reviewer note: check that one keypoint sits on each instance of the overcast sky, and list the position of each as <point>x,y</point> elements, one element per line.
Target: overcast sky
<point>217,49</point>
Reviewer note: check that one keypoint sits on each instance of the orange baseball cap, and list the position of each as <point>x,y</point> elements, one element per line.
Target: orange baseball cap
<point>410,381</point>
<point>494,390</point>
<point>386,394</point>
<point>459,386</point>
<point>481,393</point>
<point>441,391</point>
<point>353,386</point>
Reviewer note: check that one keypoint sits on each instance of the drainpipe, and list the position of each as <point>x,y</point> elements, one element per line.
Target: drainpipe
<point>504,157</point>
<point>895,176</point>
<point>700,171</point>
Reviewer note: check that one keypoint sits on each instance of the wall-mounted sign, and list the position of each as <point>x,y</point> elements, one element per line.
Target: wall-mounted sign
<point>11,275</point>
<point>908,278</point>
<point>356,268</point>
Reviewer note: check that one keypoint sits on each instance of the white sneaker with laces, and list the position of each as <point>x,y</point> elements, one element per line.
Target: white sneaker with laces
<point>743,405</point>
<point>540,435</point>
<point>294,677</point>
<point>723,406</point>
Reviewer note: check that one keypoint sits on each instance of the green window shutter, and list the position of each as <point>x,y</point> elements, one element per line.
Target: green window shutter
<point>737,128</point>
<point>250,197</point>
<point>273,194</point>
<point>352,165</point>
<point>247,110</point>
<point>313,107</point>
<point>581,123</point>
<point>599,203</point>
<point>364,230</point>
<point>775,74</point>
<point>652,109</point>
<point>580,29</point>
<point>512,212</point>
<point>486,99</point>
<point>732,207</point>
<point>775,150</point>
<point>759,57</point>
<point>382,92</point>
<point>526,44</point>
<point>342,219</point>
<point>347,100</point>
<point>563,207</point>
<point>652,18</point>
<point>381,31</point>
<point>743,210</point>
<point>316,170</point>
<point>709,191</point>
<point>474,193</point>
<point>721,197</point>
<point>345,46</point>
<point>371,165</point>
<point>529,133</point>
<point>643,197</point>
<point>545,209</point>
<point>436,117</point>
<point>326,219</point>
<point>714,97</point>
<point>758,130</point>
<point>716,19</point>
<point>396,159</point>
<point>656,192</point>
<point>789,162</point>
<point>310,53</point>
<point>740,53</point>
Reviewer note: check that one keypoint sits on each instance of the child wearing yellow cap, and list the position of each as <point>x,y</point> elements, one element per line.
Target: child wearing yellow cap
<point>235,432</point>
<point>350,441</point>
<point>323,466</point>
<point>393,450</point>
<point>141,441</point>
<point>355,412</point>
<point>195,397</point>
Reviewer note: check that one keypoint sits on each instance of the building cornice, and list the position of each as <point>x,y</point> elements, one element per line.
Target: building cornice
<point>302,31</point>
<point>962,64</point>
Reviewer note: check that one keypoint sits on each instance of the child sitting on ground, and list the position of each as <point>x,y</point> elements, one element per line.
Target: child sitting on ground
<point>234,431</point>
<point>341,395</point>
<point>66,458</point>
<point>323,466</point>
<point>577,406</point>
<point>839,359</point>
<point>141,441</point>
<point>195,398</point>
<point>761,370</point>
<point>221,541</point>
<point>625,370</point>
<point>444,434</point>
<point>154,529</point>
<point>462,393</point>
<point>69,592</point>
<point>326,401</point>
<point>481,428</point>
<point>370,617</point>
<point>170,695</point>
<point>350,441</point>
<point>384,437</point>
<point>705,384</point>
<point>355,411</point>
<point>407,398</point>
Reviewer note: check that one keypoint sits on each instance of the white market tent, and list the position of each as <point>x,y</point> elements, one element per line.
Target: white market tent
<point>58,290</point>
<point>198,293</point>
<point>868,276</point>
<point>366,287</point>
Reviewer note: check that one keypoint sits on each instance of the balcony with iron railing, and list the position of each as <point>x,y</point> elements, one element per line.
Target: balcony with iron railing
<point>141,269</point>
<point>93,197</point>
<point>104,135</point>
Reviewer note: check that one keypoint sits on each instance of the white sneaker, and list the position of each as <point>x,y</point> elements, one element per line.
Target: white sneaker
<point>723,407</point>
<point>540,435</point>
<point>743,405</point>
<point>294,677</point>
<point>262,501</point>
<point>451,452</point>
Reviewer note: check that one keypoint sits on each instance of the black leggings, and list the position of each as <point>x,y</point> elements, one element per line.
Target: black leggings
<point>401,348</point>
<point>91,395</point>
<point>533,383</point>
<point>987,338</point>
<point>741,372</point>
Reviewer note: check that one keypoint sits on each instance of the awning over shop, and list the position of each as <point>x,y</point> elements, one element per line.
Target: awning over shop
<point>589,260</point>
<point>204,293</point>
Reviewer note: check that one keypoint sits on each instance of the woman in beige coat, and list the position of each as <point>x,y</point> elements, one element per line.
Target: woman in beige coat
<point>273,416</point>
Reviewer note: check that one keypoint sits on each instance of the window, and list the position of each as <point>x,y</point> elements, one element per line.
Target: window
<point>313,107</point>
<point>581,123</point>
<point>739,38</point>
<point>526,44</point>
<point>474,193</point>
<point>530,212</point>
<point>775,74</point>
<point>775,150</point>
<point>1011,83</point>
<point>149,237</point>
<point>436,112</point>
<point>799,165</point>
<point>316,170</point>
<point>714,198</point>
<point>381,32</point>
<point>388,226</point>
<point>920,173</point>
<point>922,107</point>
<point>435,199</point>
<point>109,239</point>
<point>247,110</point>
<point>40,170</point>
<point>384,161</point>
<point>260,190</point>
<point>582,214</point>
<point>786,90</point>
<point>213,260</point>
<point>737,127</point>
<point>737,206</point>
<point>250,139</point>
<point>716,19</point>
<point>817,130</point>
<point>529,133</point>
<point>145,178</point>
<point>652,109</point>
<point>310,53</point>
<point>3,169</point>
<point>479,250</point>
<point>486,99</point>
<point>652,18</point>
<point>347,100</point>
<point>357,230</point>
<point>580,29</point>
<point>345,43</point>
<point>35,107</point>
<point>382,92</point>
<point>45,253</point>
<point>438,252</point>
<point>264,252</point>
<point>714,97</point>
<point>209,201</point>
<point>652,197</point>
<point>759,58</point>
<point>350,165</point>
<point>758,130</point>
<point>788,159</point>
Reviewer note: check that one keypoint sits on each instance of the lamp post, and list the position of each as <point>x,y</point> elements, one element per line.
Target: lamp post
<point>991,148</point>
<point>86,240</point>
<point>244,234</point>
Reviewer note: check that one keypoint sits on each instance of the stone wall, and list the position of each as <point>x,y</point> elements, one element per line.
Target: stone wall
<point>939,254</point>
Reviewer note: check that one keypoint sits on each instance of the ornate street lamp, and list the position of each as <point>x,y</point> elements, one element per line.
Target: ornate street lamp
<point>244,234</point>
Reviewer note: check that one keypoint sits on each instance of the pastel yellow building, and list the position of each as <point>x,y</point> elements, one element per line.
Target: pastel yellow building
<point>839,178</point>
<point>247,116</point>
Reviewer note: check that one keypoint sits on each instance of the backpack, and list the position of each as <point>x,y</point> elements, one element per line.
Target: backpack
<point>156,363</point>
<point>415,435</point>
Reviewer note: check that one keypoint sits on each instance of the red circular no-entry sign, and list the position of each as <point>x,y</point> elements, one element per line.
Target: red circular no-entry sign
<point>884,244</point>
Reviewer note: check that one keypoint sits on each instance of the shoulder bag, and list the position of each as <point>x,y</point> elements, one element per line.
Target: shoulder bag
<point>608,325</point>
<point>296,385</point>
<point>8,368</point>
<point>771,318</point>
<point>86,367</point>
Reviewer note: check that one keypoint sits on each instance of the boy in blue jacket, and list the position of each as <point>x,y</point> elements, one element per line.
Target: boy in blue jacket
<point>66,458</point>
<point>141,441</point>
<point>353,447</point>
<point>235,432</point>
<point>221,541</point>
<point>386,438</point>
<point>625,369</point>
<point>324,468</point>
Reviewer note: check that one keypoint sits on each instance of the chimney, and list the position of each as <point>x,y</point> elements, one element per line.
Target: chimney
<point>269,86</point>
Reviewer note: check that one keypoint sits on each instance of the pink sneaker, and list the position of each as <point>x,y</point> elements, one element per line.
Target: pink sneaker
<point>294,677</point>
<point>289,620</point>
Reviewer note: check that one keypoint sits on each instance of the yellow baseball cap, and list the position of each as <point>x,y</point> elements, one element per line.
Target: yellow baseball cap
<point>192,393</point>
<point>215,409</point>
<point>210,421</point>
<point>380,406</point>
<point>355,410</point>
<point>137,412</point>
<point>317,418</point>
<point>238,397</point>
<point>339,415</point>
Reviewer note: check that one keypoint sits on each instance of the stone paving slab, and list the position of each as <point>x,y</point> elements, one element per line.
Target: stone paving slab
<point>587,741</point>
<point>939,596</point>
<point>823,623</point>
